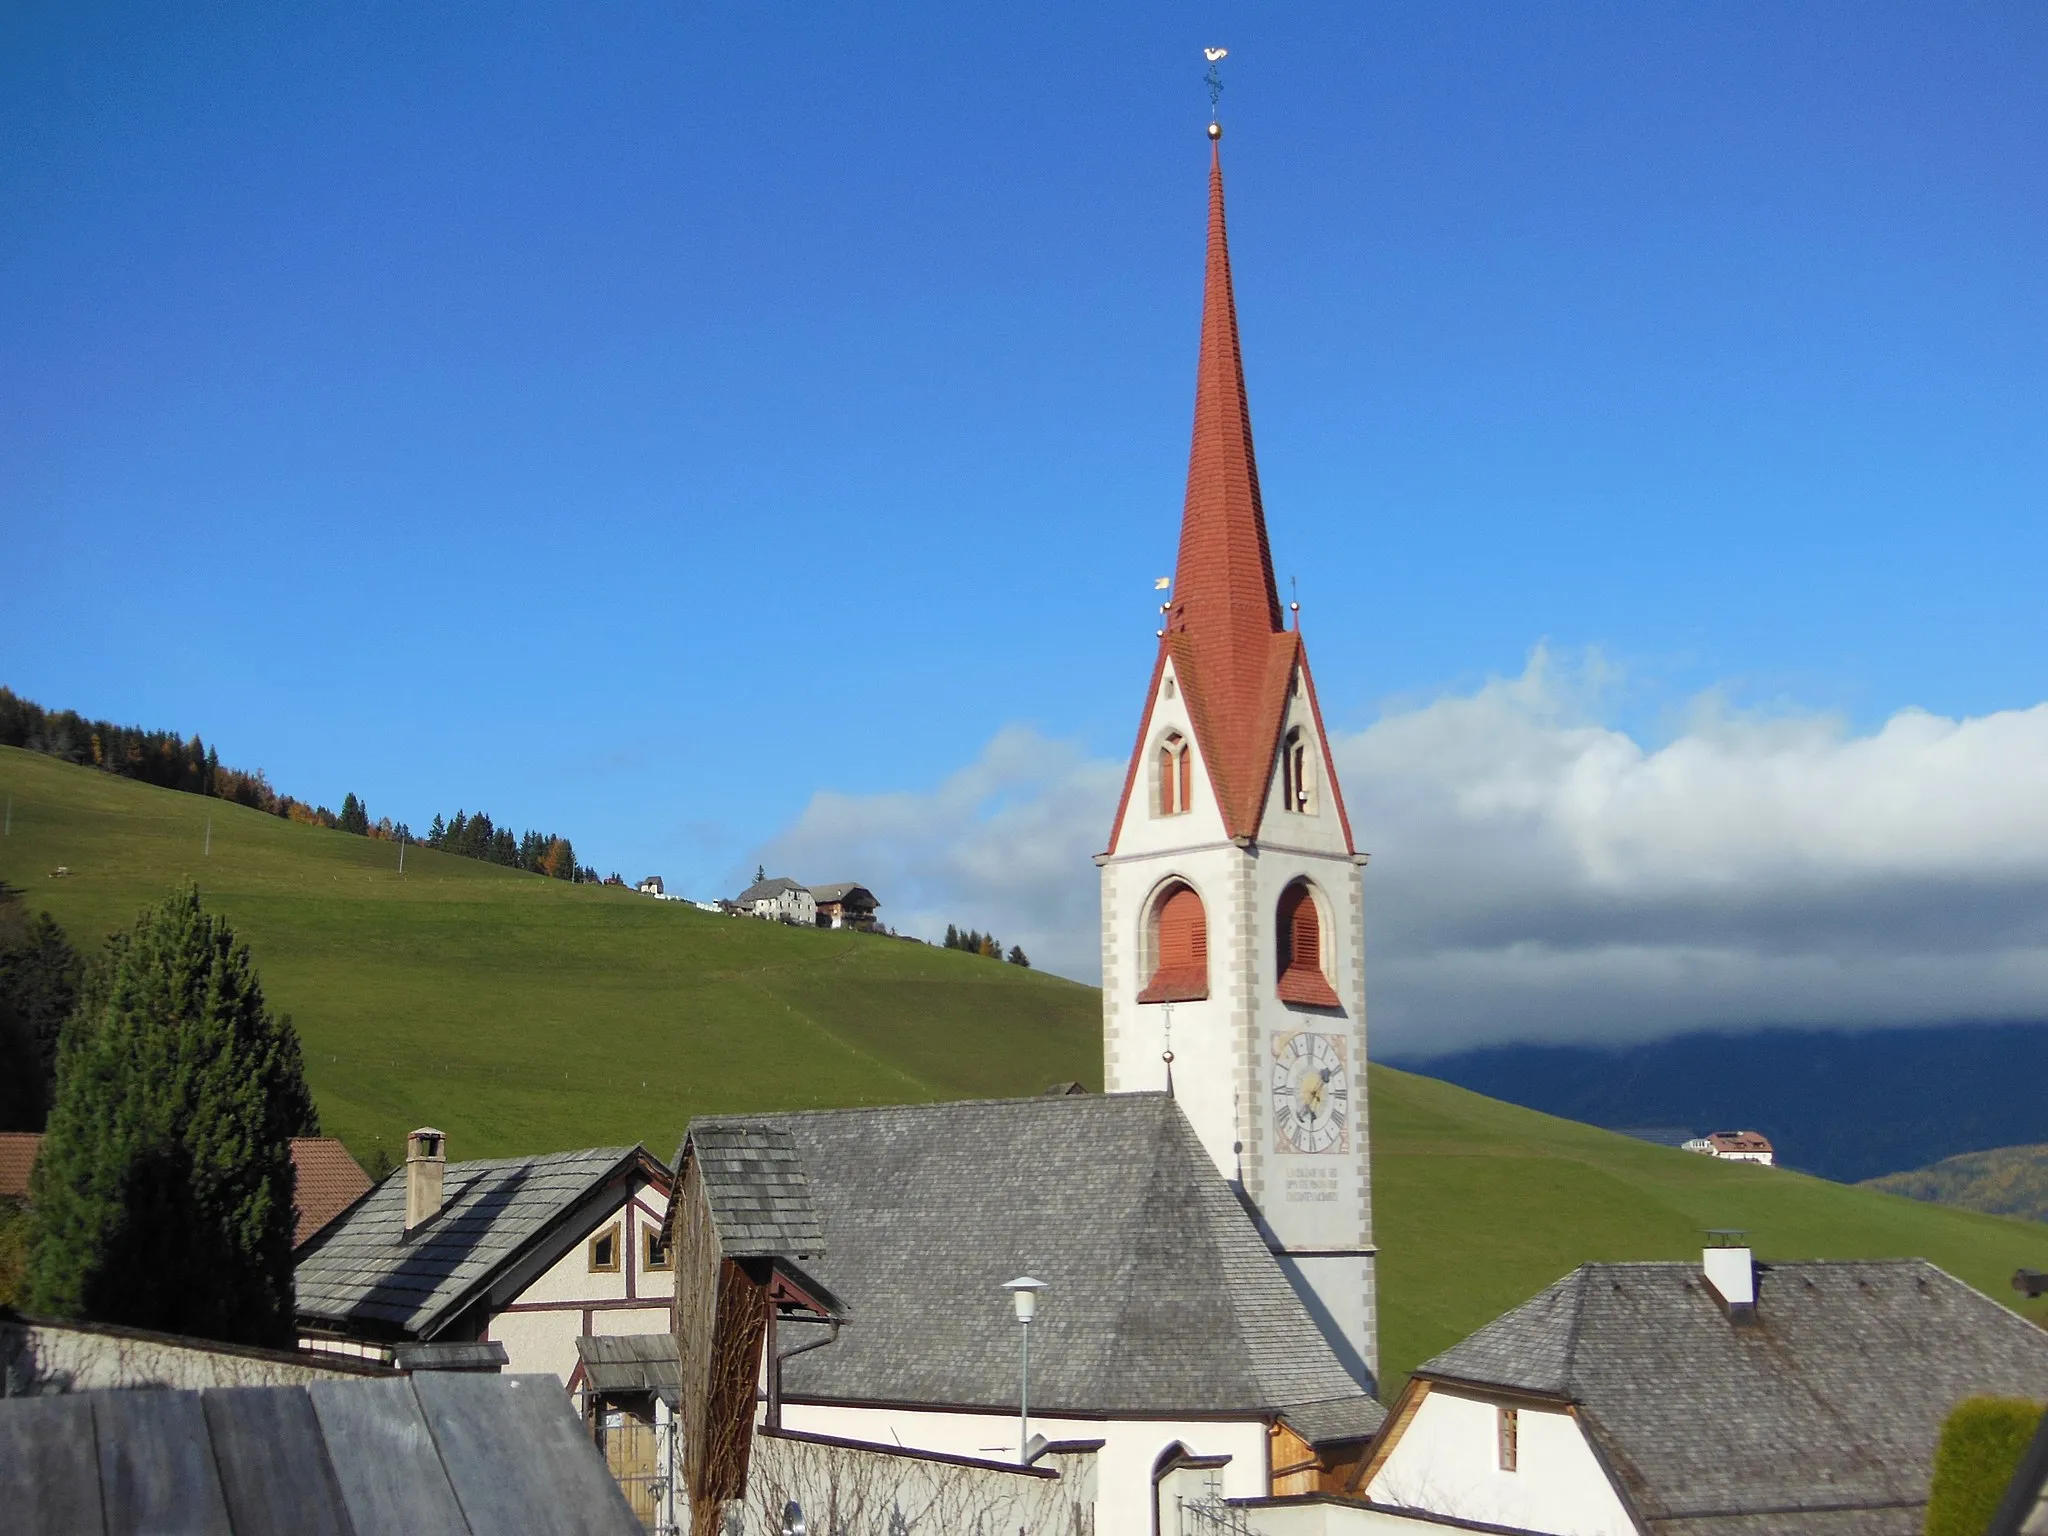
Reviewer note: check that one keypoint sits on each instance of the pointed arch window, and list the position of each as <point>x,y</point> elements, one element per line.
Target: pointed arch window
<point>1176,774</point>
<point>1178,940</point>
<point>1303,978</point>
<point>1297,774</point>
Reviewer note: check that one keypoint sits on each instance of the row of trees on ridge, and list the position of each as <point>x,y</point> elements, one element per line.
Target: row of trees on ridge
<point>977,943</point>
<point>188,764</point>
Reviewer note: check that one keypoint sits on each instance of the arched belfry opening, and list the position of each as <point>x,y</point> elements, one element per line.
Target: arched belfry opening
<point>1176,769</point>
<point>1304,976</point>
<point>1297,774</point>
<point>1177,942</point>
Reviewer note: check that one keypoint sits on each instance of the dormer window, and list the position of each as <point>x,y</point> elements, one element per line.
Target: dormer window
<point>1297,774</point>
<point>1176,774</point>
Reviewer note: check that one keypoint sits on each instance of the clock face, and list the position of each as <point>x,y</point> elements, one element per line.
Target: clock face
<point>1311,1093</point>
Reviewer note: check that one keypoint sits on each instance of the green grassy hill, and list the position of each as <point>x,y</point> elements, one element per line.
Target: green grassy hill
<point>519,1013</point>
<point>2006,1181</point>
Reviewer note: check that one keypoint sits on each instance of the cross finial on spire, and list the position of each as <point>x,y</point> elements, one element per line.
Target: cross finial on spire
<point>1214,78</point>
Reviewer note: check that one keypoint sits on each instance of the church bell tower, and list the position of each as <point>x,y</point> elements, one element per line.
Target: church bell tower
<point>1233,920</point>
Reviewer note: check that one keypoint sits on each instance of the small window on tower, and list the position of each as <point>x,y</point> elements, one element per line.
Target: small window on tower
<point>1178,937</point>
<point>1509,1427</point>
<point>1300,933</point>
<point>1296,770</point>
<point>1176,774</point>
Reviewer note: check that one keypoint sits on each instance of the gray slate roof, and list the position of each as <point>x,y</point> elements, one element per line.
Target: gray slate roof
<point>759,1194</point>
<point>1161,1297</point>
<point>1820,1416</point>
<point>763,890</point>
<point>363,1274</point>
<point>839,890</point>
<point>453,1455</point>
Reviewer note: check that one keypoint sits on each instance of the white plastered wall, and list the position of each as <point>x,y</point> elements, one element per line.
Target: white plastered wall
<point>1447,1462</point>
<point>539,1326</point>
<point>1131,1448</point>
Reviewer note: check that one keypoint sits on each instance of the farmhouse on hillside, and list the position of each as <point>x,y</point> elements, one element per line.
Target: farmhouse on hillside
<point>845,905</point>
<point>525,1253</point>
<point>1728,1396</point>
<point>779,899</point>
<point>1735,1147</point>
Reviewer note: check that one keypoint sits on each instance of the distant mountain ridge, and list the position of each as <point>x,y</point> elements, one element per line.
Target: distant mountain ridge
<point>1845,1104</point>
<point>2007,1181</point>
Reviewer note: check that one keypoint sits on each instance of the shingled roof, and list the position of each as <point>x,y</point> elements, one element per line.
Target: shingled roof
<point>1819,1414</point>
<point>755,1184</point>
<point>499,1218</point>
<point>455,1455</point>
<point>1161,1299</point>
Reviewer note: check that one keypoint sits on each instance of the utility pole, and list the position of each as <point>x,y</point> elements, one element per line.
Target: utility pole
<point>207,851</point>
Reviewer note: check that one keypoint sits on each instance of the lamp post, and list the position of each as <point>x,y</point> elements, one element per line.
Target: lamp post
<point>1024,1295</point>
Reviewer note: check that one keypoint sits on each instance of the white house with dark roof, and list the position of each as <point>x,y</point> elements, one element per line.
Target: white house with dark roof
<point>779,899</point>
<point>531,1253</point>
<point>1742,1399</point>
<point>1167,1329</point>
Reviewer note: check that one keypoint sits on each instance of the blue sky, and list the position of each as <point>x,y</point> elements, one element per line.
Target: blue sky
<point>635,419</point>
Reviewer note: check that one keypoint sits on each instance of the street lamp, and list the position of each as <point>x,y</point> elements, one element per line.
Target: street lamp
<point>1024,1294</point>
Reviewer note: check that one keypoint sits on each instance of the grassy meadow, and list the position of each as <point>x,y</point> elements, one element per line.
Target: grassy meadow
<point>522,1014</point>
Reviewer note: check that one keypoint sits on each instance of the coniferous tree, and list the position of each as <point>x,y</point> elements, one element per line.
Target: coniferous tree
<point>39,975</point>
<point>1018,957</point>
<point>355,816</point>
<point>163,1194</point>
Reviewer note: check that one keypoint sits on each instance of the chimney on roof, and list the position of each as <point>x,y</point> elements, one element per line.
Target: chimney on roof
<point>1731,1271</point>
<point>426,1155</point>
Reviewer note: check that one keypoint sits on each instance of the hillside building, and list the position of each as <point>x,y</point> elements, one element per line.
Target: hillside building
<point>527,1253</point>
<point>1233,929</point>
<point>845,904</point>
<point>1735,1147</point>
<point>779,899</point>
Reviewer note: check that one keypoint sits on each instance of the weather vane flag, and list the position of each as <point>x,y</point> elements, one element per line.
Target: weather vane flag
<point>1215,56</point>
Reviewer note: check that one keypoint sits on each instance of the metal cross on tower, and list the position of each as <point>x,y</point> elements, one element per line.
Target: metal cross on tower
<point>1215,56</point>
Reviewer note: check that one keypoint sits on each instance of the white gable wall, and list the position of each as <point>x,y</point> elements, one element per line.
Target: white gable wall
<point>569,1300</point>
<point>1131,1448</point>
<point>1447,1462</point>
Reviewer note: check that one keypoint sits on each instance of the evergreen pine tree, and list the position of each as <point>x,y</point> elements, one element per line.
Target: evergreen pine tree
<point>1018,957</point>
<point>39,976</point>
<point>952,937</point>
<point>163,1194</point>
<point>355,816</point>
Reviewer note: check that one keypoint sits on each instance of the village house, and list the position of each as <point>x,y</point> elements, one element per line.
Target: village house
<point>527,1254</point>
<point>1735,1147</point>
<point>779,900</point>
<point>844,905</point>
<point>651,886</point>
<point>1674,1399</point>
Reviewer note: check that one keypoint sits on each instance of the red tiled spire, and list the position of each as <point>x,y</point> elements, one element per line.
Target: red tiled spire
<point>1224,627</point>
<point>1225,635</point>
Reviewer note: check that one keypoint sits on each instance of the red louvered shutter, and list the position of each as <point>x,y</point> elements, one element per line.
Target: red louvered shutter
<point>1182,975</point>
<point>1301,951</point>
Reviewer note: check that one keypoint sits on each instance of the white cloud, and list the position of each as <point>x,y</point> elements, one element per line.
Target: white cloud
<point>1538,874</point>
